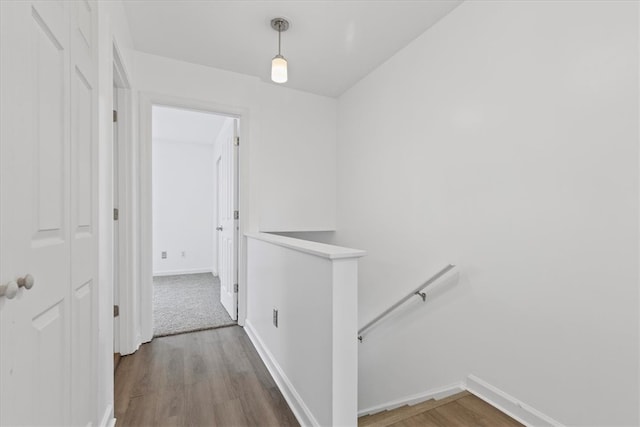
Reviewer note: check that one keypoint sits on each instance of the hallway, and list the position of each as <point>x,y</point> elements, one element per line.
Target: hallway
<point>207,378</point>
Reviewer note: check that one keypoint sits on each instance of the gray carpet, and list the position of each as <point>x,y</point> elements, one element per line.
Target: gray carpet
<point>188,302</point>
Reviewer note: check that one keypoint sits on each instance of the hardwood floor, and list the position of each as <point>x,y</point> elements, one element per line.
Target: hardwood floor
<point>116,361</point>
<point>216,378</point>
<point>460,410</point>
<point>207,378</point>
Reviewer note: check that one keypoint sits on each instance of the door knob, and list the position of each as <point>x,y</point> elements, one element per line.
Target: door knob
<point>9,290</point>
<point>26,281</point>
<point>219,228</point>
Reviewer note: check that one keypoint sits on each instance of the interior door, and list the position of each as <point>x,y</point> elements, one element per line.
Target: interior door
<point>228,228</point>
<point>83,192</point>
<point>48,211</point>
<point>35,153</point>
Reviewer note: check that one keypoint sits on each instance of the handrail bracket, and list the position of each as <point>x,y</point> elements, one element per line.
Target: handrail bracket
<point>418,291</point>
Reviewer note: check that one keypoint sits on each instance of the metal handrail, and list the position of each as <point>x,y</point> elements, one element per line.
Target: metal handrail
<point>415,292</point>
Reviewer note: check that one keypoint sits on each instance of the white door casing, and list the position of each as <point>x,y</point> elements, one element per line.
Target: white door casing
<point>48,212</point>
<point>115,183</point>
<point>136,299</point>
<point>218,240</point>
<point>228,229</point>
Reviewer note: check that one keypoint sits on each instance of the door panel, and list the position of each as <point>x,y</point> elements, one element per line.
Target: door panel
<point>35,213</point>
<point>49,108</point>
<point>48,201</point>
<point>228,271</point>
<point>84,200</point>
<point>85,22</point>
<point>50,367</point>
<point>82,96</point>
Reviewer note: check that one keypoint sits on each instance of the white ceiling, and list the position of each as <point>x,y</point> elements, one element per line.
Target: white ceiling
<point>329,46</point>
<point>179,125</point>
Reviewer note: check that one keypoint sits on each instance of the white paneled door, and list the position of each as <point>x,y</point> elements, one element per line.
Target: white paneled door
<point>228,228</point>
<point>48,212</point>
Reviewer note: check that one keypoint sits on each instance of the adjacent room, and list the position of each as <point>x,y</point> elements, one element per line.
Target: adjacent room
<point>188,208</point>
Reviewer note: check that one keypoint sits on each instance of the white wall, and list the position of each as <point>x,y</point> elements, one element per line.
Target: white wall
<point>296,157</point>
<point>309,118</point>
<point>505,140</point>
<point>291,169</point>
<point>184,193</point>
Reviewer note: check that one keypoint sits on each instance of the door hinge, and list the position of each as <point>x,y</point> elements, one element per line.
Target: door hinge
<point>116,214</point>
<point>116,310</point>
<point>236,215</point>
<point>236,141</point>
<point>115,116</point>
<point>235,288</point>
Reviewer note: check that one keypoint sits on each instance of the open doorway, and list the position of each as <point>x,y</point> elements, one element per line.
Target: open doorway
<point>194,232</point>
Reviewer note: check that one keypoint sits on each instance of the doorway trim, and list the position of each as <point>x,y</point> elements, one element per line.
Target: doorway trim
<point>128,335</point>
<point>147,101</point>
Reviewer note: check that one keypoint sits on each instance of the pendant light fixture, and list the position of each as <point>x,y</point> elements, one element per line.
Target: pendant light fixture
<point>279,63</point>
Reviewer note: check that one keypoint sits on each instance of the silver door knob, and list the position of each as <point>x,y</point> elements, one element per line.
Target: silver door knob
<point>219,228</point>
<point>26,282</point>
<point>9,290</point>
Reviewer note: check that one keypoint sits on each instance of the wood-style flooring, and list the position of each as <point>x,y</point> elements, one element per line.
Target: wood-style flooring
<point>216,378</point>
<point>207,378</point>
<point>460,410</point>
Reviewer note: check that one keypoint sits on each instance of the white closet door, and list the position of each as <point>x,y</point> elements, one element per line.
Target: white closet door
<point>47,211</point>
<point>84,204</point>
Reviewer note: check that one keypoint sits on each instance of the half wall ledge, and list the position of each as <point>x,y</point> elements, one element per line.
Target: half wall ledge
<point>314,248</point>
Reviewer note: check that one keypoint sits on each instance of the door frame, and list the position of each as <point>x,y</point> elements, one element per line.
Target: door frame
<point>127,334</point>
<point>217,159</point>
<point>147,101</point>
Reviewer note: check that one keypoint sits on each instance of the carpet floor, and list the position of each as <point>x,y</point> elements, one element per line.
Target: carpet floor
<point>186,303</point>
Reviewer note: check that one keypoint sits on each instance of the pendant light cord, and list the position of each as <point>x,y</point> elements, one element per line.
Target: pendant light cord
<point>279,34</point>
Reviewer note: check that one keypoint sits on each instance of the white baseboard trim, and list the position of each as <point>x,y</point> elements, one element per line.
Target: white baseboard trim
<point>297,405</point>
<point>107,419</point>
<point>508,404</point>
<point>438,393</point>
<point>179,272</point>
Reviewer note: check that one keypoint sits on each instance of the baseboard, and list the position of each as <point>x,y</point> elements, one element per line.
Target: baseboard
<point>438,393</point>
<point>107,419</point>
<point>508,404</point>
<point>297,405</point>
<point>179,272</point>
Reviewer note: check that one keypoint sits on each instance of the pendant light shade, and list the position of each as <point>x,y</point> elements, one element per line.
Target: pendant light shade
<point>279,69</point>
<point>279,63</point>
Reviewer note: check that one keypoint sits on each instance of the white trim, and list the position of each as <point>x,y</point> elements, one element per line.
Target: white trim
<point>146,101</point>
<point>107,419</point>
<point>181,272</point>
<point>297,405</point>
<point>307,246</point>
<point>126,280</point>
<point>122,72</point>
<point>508,404</point>
<point>437,394</point>
<point>495,397</point>
<point>146,217</point>
<point>183,141</point>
